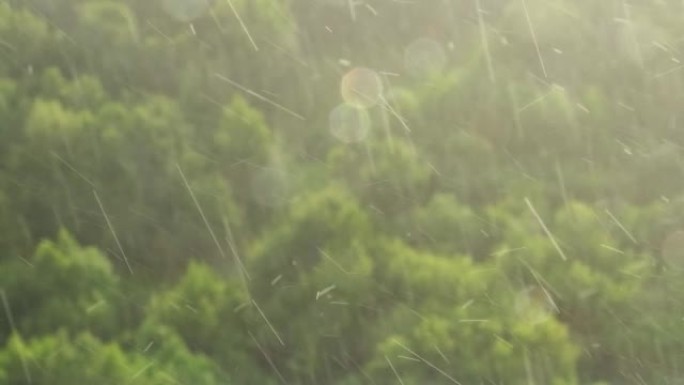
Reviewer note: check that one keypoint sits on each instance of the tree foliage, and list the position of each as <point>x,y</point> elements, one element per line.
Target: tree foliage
<point>180,204</point>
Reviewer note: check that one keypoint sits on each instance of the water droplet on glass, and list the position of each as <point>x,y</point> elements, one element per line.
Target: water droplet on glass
<point>349,124</point>
<point>361,87</point>
<point>424,57</point>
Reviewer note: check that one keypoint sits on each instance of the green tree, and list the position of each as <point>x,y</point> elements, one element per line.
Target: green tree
<point>58,359</point>
<point>62,286</point>
<point>207,312</point>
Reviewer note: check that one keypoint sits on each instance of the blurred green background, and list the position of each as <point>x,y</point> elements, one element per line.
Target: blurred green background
<point>341,192</point>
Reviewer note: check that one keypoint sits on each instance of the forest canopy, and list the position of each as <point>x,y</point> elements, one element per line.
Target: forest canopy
<point>341,192</point>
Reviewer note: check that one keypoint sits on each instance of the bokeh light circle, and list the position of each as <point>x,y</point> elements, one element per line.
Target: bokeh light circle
<point>186,10</point>
<point>361,87</point>
<point>424,57</point>
<point>349,124</point>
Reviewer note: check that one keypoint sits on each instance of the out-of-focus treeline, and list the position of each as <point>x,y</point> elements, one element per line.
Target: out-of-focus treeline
<point>341,192</point>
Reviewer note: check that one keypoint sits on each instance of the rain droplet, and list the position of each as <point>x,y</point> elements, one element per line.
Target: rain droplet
<point>349,124</point>
<point>423,57</point>
<point>361,87</point>
<point>186,10</point>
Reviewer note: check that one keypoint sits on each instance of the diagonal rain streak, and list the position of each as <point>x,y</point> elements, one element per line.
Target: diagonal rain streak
<point>259,96</point>
<point>199,208</point>
<point>111,228</point>
<point>242,24</point>
<point>546,230</point>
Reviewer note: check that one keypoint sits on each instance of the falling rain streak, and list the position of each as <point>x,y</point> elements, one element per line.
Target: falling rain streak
<point>534,38</point>
<point>201,212</point>
<point>242,25</point>
<point>275,333</point>
<point>111,229</point>
<point>428,363</point>
<point>546,230</point>
<point>260,97</point>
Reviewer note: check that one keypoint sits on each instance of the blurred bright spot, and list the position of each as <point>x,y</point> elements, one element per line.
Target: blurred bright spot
<point>672,250</point>
<point>186,10</point>
<point>424,57</point>
<point>361,87</point>
<point>533,304</point>
<point>270,187</point>
<point>349,124</point>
